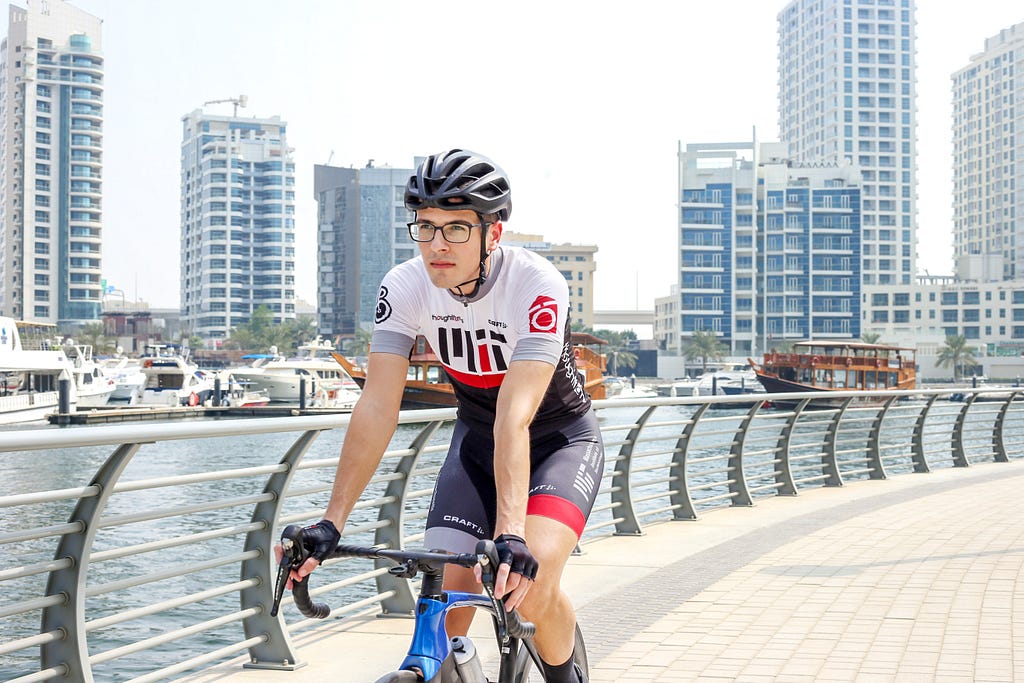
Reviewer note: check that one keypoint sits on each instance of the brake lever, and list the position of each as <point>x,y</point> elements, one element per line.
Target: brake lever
<point>487,556</point>
<point>292,556</point>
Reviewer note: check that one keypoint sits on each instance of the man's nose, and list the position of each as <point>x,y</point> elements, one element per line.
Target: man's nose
<point>439,243</point>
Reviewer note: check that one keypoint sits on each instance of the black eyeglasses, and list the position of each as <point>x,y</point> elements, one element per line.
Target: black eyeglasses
<point>455,232</point>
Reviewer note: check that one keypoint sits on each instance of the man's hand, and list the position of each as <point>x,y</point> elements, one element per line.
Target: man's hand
<point>517,569</point>
<point>319,540</point>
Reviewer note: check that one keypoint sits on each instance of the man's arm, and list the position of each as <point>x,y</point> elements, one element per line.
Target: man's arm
<point>369,432</point>
<point>520,395</point>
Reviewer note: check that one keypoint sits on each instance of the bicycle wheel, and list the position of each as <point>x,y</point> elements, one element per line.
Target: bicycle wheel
<point>403,676</point>
<point>528,672</point>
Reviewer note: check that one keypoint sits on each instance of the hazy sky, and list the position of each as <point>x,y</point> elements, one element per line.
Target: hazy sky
<point>583,103</point>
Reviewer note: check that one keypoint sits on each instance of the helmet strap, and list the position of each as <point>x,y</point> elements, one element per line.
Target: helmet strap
<point>480,279</point>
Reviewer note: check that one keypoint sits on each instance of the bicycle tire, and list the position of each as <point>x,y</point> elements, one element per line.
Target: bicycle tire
<point>525,666</point>
<point>404,676</point>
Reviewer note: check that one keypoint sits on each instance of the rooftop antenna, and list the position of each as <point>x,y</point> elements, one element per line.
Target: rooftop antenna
<point>240,101</point>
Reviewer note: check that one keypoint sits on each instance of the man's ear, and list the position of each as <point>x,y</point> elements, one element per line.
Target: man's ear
<point>494,232</point>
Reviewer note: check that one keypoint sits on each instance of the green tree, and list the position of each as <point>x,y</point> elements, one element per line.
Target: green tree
<point>93,334</point>
<point>261,332</point>
<point>704,344</point>
<point>619,349</point>
<point>956,353</point>
<point>360,344</point>
<point>870,337</point>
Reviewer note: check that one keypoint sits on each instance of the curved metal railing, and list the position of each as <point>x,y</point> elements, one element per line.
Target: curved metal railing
<point>152,557</point>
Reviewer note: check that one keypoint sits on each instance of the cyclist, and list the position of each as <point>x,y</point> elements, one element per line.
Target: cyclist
<point>526,455</point>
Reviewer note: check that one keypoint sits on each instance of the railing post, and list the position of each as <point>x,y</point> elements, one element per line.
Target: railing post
<point>737,479</point>
<point>622,495</point>
<point>682,504</point>
<point>918,457</point>
<point>998,435</point>
<point>829,460</point>
<point>957,438</point>
<point>276,651</point>
<point>784,473</point>
<point>72,651</point>
<point>401,600</point>
<point>875,463</point>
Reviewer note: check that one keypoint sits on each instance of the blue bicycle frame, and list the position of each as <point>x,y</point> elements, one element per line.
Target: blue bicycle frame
<point>430,645</point>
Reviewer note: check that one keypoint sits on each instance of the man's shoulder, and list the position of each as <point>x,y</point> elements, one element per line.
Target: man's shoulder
<point>521,257</point>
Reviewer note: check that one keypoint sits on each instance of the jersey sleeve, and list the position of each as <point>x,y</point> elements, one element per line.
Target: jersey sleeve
<point>542,315</point>
<point>395,320</point>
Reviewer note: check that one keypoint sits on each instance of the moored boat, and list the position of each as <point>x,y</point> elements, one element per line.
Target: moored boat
<point>325,382</point>
<point>829,366</point>
<point>30,376</point>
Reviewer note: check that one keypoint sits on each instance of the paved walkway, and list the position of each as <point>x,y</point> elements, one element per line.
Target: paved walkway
<point>913,578</point>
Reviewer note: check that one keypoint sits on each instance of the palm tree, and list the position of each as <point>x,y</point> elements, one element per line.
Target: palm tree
<point>92,334</point>
<point>870,337</point>
<point>704,345</point>
<point>619,349</point>
<point>957,353</point>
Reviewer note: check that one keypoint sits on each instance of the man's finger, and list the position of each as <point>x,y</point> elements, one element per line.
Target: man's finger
<point>516,597</point>
<point>501,580</point>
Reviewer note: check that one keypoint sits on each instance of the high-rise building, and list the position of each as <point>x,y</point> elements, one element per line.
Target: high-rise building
<point>847,92</point>
<point>769,249</point>
<point>237,222</point>
<point>988,161</point>
<point>51,151</point>
<point>361,234</point>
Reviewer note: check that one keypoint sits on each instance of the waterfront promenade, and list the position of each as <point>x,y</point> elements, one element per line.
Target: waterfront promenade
<point>912,578</point>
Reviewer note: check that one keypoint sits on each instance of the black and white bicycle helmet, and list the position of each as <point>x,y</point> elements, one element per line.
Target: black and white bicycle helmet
<point>460,179</point>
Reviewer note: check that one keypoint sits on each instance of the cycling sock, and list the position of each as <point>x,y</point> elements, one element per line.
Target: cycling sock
<point>566,672</point>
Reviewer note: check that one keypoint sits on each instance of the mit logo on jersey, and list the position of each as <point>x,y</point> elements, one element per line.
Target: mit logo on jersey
<point>478,351</point>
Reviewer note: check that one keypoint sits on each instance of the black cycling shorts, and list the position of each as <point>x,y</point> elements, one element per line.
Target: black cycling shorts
<point>566,466</point>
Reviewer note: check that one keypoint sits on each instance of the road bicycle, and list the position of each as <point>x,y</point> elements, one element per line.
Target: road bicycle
<point>433,657</point>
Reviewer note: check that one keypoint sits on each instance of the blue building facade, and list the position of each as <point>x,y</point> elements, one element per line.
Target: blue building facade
<point>361,234</point>
<point>769,251</point>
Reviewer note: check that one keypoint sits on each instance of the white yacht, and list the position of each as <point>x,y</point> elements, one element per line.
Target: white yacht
<point>94,386</point>
<point>327,383</point>
<point>129,380</point>
<point>30,378</point>
<point>172,379</point>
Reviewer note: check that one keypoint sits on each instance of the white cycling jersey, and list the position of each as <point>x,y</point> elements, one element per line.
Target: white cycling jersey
<point>520,313</point>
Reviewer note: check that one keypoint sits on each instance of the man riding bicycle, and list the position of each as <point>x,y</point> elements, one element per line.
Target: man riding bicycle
<point>526,455</point>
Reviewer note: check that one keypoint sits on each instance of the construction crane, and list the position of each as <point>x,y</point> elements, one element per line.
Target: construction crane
<point>239,101</point>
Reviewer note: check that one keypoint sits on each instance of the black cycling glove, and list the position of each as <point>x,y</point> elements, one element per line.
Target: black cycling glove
<point>320,539</point>
<point>512,551</point>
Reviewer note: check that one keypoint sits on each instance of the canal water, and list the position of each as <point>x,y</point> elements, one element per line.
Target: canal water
<point>69,468</point>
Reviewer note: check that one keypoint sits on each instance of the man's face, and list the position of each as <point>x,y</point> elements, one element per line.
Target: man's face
<point>449,265</point>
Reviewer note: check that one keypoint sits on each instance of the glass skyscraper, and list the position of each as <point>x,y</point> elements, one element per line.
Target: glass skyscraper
<point>237,222</point>
<point>361,234</point>
<point>847,92</point>
<point>51,149</point>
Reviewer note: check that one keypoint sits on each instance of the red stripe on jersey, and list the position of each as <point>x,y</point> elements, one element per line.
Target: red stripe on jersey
<point>479,381</point>
<point>484,358</point>
<point>559,509</point>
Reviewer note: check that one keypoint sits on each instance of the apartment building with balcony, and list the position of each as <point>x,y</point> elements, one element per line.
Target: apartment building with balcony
<point>237,222</point>
<point>769,249</point>
<point>51,153</point>
<point>847,92</point>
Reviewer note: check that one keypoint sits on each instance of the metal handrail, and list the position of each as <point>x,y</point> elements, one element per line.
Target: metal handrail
<point>109,544</point>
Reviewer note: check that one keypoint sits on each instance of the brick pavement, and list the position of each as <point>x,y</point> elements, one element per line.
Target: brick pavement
<point>913,578</point>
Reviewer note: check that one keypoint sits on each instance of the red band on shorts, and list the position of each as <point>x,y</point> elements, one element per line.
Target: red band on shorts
<point>559,509</point>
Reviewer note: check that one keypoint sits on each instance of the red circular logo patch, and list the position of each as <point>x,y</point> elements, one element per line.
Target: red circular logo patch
<point>543,315</point>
